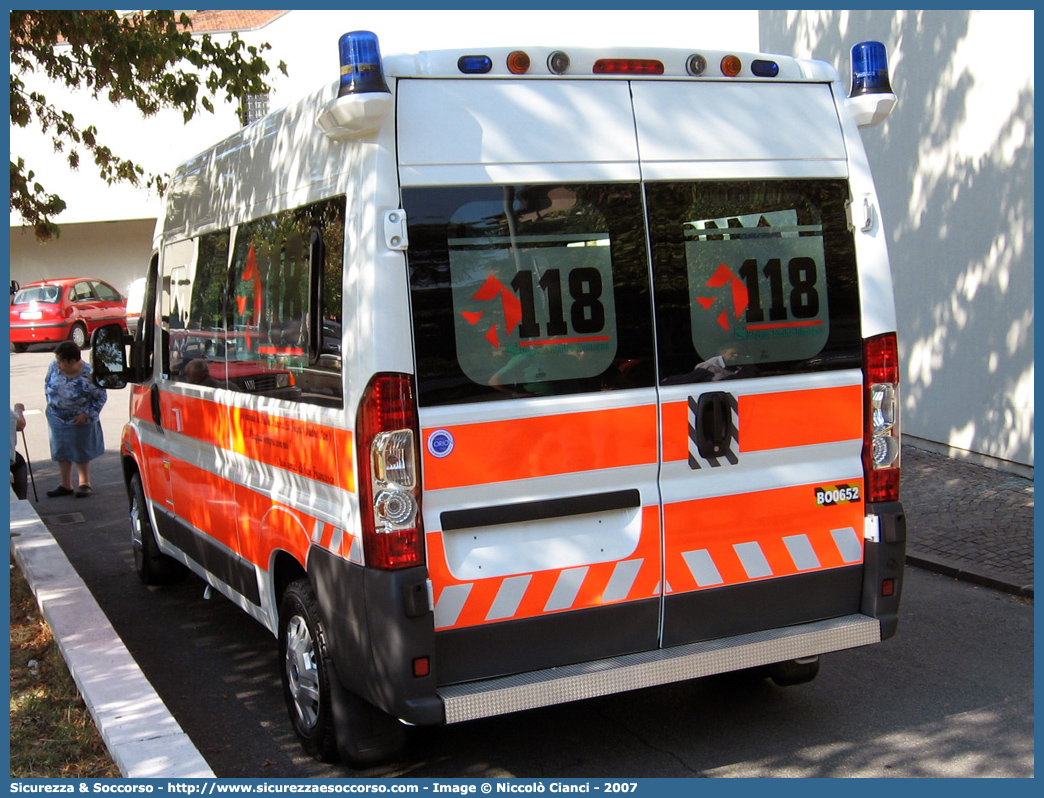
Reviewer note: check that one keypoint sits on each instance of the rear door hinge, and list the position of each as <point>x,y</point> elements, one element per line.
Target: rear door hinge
<point>395,236</point>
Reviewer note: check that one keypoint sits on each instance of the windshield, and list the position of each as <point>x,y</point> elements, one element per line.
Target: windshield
<point>39,293</point>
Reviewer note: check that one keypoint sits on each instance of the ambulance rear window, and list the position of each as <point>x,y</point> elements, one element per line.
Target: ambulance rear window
<point>753,278</point>
<point>528,290</point>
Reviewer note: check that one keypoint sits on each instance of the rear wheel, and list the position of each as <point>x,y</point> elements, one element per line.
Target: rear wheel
<point>78,335</point>
<point>794,671</point>
<point>328,720</point>
<point>153,567</point>
<point>19,347</point>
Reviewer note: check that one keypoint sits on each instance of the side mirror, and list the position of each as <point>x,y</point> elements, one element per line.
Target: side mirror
<point>109,357</point>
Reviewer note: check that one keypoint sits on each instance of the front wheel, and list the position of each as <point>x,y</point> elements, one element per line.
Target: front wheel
<point>329,721</point>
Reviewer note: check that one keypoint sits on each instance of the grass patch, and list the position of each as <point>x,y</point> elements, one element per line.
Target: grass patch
<point>52,734</point>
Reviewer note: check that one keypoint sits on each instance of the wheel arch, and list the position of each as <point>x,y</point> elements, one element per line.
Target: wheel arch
<point>283,569</point>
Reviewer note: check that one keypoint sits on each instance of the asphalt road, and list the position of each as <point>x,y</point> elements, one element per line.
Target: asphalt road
<point>950,696</point>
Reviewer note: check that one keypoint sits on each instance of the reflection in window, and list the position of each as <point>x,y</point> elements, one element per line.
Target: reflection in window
<point>528,290</point>
<point>753,278</point>
<point>245,322</point>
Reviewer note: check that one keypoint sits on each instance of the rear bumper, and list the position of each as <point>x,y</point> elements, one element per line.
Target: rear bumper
<point>884,565</point>
<point>38,333</point>
<point>650,668</point>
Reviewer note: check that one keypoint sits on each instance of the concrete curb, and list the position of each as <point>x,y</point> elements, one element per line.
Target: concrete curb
<point>978,576</point>
<point>142,736</point>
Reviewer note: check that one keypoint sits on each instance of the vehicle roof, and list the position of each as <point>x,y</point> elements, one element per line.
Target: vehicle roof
<point>64,281</point>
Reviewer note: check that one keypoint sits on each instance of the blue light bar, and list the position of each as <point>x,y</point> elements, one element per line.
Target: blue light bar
<point>764,69</point>
<point>361,69</point>
<point>869,69</point>
<point>474,64</point>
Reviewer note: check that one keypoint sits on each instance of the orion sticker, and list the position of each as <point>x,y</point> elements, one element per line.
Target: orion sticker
<point>837,494</point>
<point>440,443</point>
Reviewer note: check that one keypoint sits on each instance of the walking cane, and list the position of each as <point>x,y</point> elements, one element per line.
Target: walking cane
<point>29,465</point>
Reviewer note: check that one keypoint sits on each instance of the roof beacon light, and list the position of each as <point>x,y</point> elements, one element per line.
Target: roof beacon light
<point>871,99</point>
<point>363,97</point>
<point>869,69</point>
<point>361,69</point>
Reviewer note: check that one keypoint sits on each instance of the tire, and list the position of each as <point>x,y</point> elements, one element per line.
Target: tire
<point>305,671</point>
<point>20,347</point>
<point>153,567</point>
<point>78,335</point>
<point>794,671</point>
<point>330,722</point>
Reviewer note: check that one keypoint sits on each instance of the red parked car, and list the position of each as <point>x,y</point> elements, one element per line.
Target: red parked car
<point>70,308</point>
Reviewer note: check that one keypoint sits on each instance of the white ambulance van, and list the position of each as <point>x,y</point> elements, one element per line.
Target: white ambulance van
<point>496,379</point>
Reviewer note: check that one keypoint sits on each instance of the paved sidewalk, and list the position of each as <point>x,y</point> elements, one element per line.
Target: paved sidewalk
<point>968,521</point>
<point>142,736</point>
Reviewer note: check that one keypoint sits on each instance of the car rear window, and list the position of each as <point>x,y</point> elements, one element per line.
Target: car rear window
<point>39,293</point>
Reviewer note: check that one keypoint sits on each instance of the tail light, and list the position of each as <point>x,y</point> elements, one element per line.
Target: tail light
<point>881,448</point>
<point>389,476</point>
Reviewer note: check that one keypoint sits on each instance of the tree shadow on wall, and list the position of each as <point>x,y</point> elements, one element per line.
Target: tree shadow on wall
<point>960,225</point>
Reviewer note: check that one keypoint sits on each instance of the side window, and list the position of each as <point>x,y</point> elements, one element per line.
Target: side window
<point>200,332</point>
<point>753,278</point>
<point>105,292</point>
<point>81,292</point>
<point>284,305</point>
<point>524,291</point>
<point>145,334</point>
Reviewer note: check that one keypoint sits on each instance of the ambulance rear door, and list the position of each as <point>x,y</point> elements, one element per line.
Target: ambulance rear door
<point>532,321</point>
<point>759,354</point>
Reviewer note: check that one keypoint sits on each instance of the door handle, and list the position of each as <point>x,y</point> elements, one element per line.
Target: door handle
<point>714,428</point>
<point>154,401</point>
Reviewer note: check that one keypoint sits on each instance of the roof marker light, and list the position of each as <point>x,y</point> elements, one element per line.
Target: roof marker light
<point>696,64</point>
<point>558,62</point>
<point>474,64</point>
<point>869,69</point>
<point>764,69</point>
<point>731,66</point>
<point>627,66</point>
<point>361,69</point>
<point>517,62</point>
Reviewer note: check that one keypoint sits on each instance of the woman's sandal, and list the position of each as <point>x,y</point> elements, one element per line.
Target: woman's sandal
<point>61,490</point>
<point>84,491</point>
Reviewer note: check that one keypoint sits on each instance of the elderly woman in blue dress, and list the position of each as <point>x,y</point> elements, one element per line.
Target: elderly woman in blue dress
<point>74,403</point>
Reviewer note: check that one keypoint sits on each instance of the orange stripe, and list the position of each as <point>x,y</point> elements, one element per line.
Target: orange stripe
<point>500,451</point>
<point>311,450</point>
<point>675,431</point>
<point>777,420</point>
<point>542,583</point>
<point>800,418</point>
<point>762,517</point>
<point>314,451</point>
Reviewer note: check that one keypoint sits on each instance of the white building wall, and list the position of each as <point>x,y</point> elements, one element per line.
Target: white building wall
<point>954,170</point>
